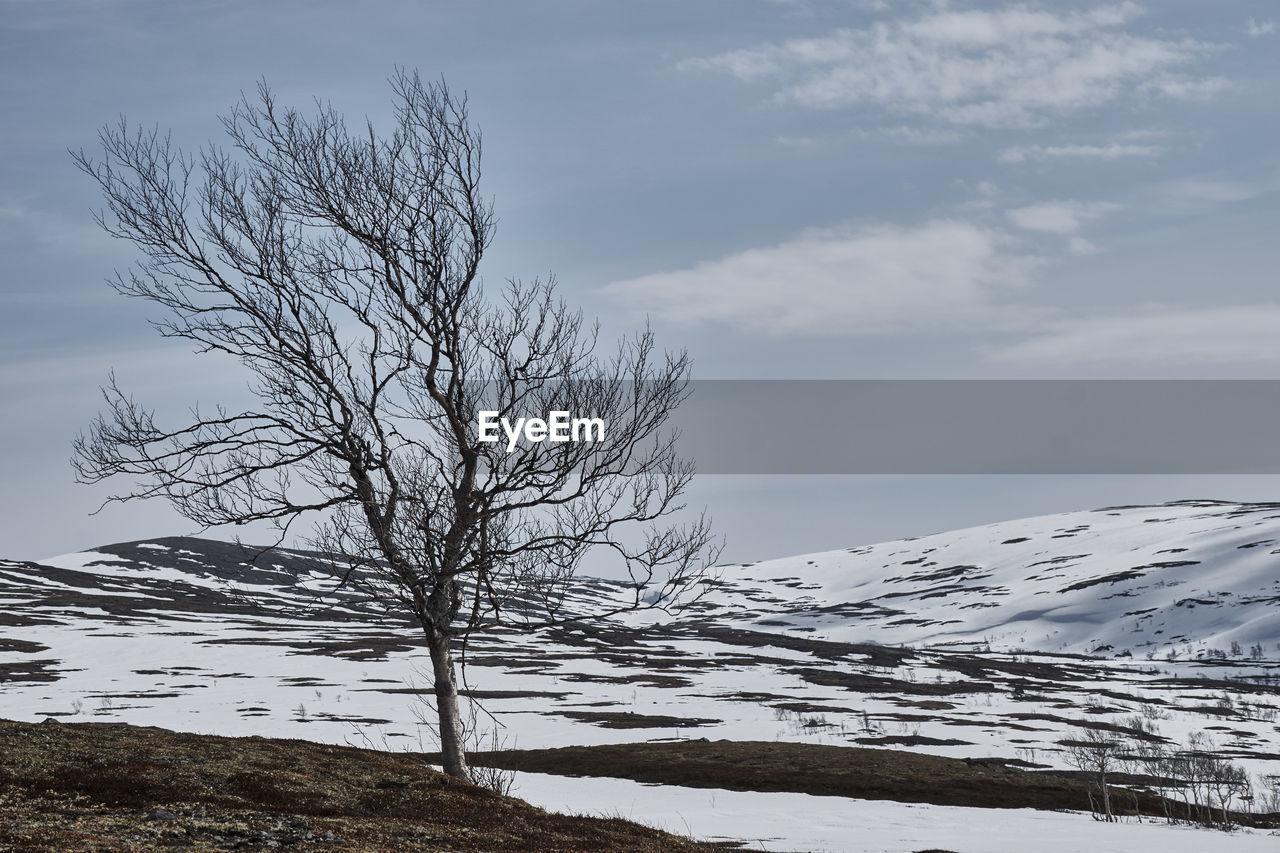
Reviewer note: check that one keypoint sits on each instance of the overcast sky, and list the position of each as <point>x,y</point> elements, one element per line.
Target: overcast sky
<point>788,189</point>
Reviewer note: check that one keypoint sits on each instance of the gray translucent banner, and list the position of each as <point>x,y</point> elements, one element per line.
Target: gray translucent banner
<point>982,427</point>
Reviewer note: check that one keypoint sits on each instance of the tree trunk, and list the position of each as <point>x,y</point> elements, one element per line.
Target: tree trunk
<point>452,748</point>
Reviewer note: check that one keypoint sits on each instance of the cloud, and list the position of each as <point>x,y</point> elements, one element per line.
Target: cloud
<point>1211,191</point>
<point>875,279</point>
<point>1110,151</point>
<point>1013,67</point>
<point>1197,195</point>
<point>1228,335</point>
<point>1081,246</point>
<point>912,135</point>
<point>1259,28</point>
<point>898,135</point>
<point>1057,217</point>
<point>1188,88</point>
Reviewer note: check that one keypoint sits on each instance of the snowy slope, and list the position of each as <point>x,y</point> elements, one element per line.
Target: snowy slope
<point>203,636</point>
<point>1192,577</point>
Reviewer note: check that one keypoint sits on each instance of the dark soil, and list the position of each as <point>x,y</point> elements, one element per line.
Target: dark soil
<point>632,720</point>
<point>874,774</point>
<point>113,787</point>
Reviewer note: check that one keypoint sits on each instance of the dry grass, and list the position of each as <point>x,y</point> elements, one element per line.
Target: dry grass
<point>111,787</point>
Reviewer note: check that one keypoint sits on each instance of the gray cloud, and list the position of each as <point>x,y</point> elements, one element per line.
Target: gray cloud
<point>869,279</point>
<point>1058,217</point>
<point>1109,151</point>
<point>1010,67</point>
<point>1257,28</point>
<point>1156,336</point>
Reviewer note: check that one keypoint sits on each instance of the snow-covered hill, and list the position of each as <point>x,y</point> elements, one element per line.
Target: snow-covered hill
<point>1188,578</point>
<point>1191,579</point>
<point>973,643</point>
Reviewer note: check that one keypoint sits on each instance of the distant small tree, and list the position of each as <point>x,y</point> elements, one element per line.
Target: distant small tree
<point>1228,783</point>
<point>1269,796</point>
<point>342,269</point>
<point>1097,755</point>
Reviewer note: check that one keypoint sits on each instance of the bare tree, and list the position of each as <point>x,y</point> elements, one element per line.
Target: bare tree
<point>342,269</point>
<point>1097,755</point>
